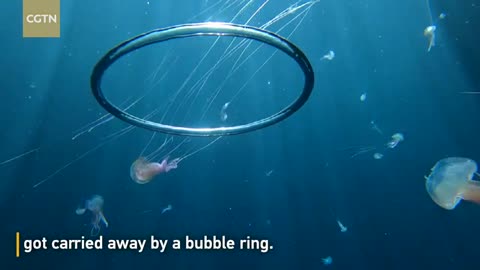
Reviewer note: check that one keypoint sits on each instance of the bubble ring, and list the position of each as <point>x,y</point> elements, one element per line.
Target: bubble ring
<point>202,29</point>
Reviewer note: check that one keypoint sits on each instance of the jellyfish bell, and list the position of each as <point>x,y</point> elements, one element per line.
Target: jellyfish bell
<point>429,32</point>
<point>142,171</point>
<point>137,171</point>
<point>396,138</point>
<point>451,181</point>
<point>363,97</point>
<point>80,211</point>
<point>95,204</point>
<point>327,261</point>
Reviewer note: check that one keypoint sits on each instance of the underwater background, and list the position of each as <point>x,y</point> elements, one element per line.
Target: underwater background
<point>288,183</point>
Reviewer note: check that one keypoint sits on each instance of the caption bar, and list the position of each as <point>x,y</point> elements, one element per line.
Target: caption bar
<point>140,245</point>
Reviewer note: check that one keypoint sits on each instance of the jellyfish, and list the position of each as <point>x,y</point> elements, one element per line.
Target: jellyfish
<point>223,112</point>
<point>396,138</point>
<point>429,32</point>
<point>378,155</point>
<point>142,171</point>
<point>327,261</point>
<point>375,127</point>
<point>168,208</point>
<point>94,205</point>
<point>329,56</point>
<point>342,227</point>
<point>363,97</point>
<point>442,16</point>
<point>451,181</point>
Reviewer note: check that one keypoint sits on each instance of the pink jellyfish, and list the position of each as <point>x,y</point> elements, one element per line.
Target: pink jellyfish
<point>143,171</point>
<point>95,205</point>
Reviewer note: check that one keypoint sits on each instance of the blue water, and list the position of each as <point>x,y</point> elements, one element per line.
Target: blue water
<point>288,183</point>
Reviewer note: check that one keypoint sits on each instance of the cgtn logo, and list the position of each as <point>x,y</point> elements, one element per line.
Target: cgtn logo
<point>41,18</point>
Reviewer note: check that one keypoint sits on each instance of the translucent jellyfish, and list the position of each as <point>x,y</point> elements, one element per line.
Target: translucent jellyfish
<point>375,127</point>
<point>342,227</point>
<point>168,208</point>
<point>329,56</point>
<point>442,16</point>
<point>94,205</point>
<point>363,97</point>
<point>223,112</point>
<point>327,261</point>
<point>429,32</point>
<point>451,181</point>
<point>396,138</point>
<point>80,211</point>
<point>142,171</point>
<point>378,156</point>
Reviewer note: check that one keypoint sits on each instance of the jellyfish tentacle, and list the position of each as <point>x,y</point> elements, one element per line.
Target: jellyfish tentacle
<point>472,191</point>
<point>103,219</point>
<point>173,164</point>
<point>95,231</point>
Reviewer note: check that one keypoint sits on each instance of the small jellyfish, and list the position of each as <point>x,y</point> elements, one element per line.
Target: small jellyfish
<point>451,181</point>
<point>143,171</point>
<point>378,156</point>
<point>342,227</point>
<point>223,112</point>
<point>168,208</point>
<point>396,138</point>
<point>429,32</point>
<point>80,211</point>
<point>375,127</point>
<point>442,16</point>
<point>94,205</point>
<point>327,261</point>
<point>363,97</point>
<point>329,56</point>
<point>269,173</point>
